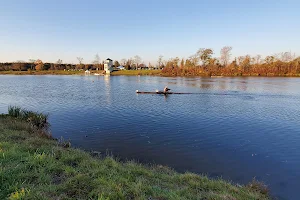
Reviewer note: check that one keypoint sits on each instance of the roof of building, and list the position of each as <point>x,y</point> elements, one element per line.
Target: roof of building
<point>109,59</point>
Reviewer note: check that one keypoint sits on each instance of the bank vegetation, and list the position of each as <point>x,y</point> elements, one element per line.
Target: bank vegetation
<point>203,63</point>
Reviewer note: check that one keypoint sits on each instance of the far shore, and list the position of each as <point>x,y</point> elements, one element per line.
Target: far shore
<point>137,73</point>
<point>81,72</point>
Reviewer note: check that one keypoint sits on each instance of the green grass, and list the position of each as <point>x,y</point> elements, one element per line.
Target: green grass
<point>38,121</point>
<point>35,167</point>
<point>137,72</point>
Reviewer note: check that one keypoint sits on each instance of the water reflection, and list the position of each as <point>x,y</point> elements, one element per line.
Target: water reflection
<point>107,88</point>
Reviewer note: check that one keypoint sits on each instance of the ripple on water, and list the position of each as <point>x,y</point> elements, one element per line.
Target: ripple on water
<point>236,128</point>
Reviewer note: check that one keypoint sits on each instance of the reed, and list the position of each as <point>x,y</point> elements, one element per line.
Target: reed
<point>37,120</point>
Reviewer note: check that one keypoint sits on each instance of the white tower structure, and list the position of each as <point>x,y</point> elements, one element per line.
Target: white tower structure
<point>108,66</point>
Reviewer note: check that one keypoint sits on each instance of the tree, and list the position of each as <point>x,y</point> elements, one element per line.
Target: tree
<point>123,62</point>
<point>287,56</point>
<point>116,63</point>
<point>256,60</point>
<point>32,61</point>
<point>244,62</point>
<point>182,63</point>
<point>193,60</point>
<point>128,64</point>
<point>225,55</point>
<point>213,61</point>
<point>137,60</point>
<point>97,61</point>
<point>59,62</point>
<point>188,63</point>
<point>81,65</point>
<point>269,59</point>
<point>57,65</point>
<point>160,61</point>
<point>176,61</point>
<point>39,65</point>
<point>80,60</point>
<point>20,66</point>
<point>205,55</point>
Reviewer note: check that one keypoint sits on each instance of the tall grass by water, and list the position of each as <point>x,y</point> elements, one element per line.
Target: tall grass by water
<point>38,121</point>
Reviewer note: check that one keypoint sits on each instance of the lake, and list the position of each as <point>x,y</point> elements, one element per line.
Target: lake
<point>234,128</point>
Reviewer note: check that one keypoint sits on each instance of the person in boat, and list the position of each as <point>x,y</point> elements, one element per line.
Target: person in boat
<point>166,89</point>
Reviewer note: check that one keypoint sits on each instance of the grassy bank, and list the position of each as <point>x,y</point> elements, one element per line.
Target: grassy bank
<point>34,166</point>
<point>145,72</point>
<point>43,72</point>
<point>137,72</point>
<point>62,72</point>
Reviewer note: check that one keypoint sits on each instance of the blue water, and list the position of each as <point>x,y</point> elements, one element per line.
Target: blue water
<point>235,128</point>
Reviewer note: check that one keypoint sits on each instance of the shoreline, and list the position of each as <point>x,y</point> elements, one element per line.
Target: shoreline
<point>134,73</point>
<point>50,169</point>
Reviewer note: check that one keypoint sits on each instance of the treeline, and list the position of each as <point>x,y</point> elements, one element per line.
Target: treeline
<point>203,63</point>
<point>38,65</point>
<point>26,66</point>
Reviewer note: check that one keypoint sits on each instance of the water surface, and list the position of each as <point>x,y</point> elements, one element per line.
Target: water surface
<point>236,128</point>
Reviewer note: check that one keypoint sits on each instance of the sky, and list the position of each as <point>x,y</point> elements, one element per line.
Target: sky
<point>116,29</point>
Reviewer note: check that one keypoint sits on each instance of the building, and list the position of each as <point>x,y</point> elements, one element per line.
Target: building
<point>108,66</point>
<point>121,68</point>
<point>143,66</point>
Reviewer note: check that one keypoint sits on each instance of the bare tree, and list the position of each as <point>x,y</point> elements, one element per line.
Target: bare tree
<point>97,61</point>
<point>123,62</point>
<point>32,61</point>
<point>225,55</point>
<point>256,60</point>
<point>160,61</point>
<point>287,56</point>
<point>80,59</point>
<point>59,62</point>
<point>137,60</point>
<point>193,60</point>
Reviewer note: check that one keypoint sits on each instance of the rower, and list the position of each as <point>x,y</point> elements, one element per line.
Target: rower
<point>166,89</point>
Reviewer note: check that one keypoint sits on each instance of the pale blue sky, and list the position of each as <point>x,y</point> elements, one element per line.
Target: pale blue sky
<point>66,29</point>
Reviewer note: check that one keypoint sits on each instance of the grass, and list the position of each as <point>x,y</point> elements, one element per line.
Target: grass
<point>62,72</point>
<point>35,167</point>
<point>137,72</point>
<point>38,121</point>
<point>173,73</point>
<point>43,72</point>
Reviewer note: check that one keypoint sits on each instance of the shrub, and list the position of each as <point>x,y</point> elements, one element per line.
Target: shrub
<point>37,120</point>
<point>14,111</point>
<point>257,186</point>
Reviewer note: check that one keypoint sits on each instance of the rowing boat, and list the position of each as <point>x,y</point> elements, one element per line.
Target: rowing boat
<point>161,92</point>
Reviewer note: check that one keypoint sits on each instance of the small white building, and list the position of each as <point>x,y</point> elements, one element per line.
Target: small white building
<point>108,66</point>
<point>87,72</point>
<point>121,68</point>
